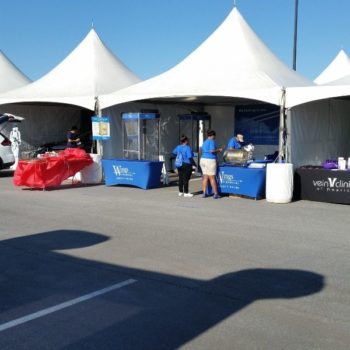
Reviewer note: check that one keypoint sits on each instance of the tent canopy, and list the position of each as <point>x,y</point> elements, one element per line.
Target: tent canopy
<point>11,76</point>
<point>334,82</point>
<point>299,95</point>
<point>90,70</point>
<point>232,62</point>
<point>337,69</point>
<point>341,81</point>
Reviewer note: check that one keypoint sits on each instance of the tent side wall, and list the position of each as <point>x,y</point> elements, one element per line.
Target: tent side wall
<point>169,126</point>
<point>318,131</point>
<point>43,123</point>
<point>222,121</point>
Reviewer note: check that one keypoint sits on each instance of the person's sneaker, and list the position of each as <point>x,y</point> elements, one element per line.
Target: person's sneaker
<point>204,195</point>
<point>188,195</point>
<point>180,194</point>
<point>216,196</point>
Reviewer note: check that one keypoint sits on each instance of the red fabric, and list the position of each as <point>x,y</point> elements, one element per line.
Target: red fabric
<point>51,171</point>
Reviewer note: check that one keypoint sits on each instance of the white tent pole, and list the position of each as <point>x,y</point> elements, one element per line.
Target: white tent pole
<point>98,113</point>
<point>282,127</point>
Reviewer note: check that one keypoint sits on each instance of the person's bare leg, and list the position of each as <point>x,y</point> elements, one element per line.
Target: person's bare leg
<point>205,184</point>
<point>213,184</point>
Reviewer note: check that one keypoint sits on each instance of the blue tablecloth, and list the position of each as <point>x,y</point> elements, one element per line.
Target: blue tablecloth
<point>243,181</point>
<point>139,173</point>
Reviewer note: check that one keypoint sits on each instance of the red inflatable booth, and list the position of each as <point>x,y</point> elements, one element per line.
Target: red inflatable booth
<point>50,171</point>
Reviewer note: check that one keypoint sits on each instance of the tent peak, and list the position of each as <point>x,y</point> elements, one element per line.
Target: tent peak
<point>90,70</point>
<point>342,52</point>
<point>235,9</point>
<point>232,62</point>
<point>338,68</point>
<point>11,76</point>
<point>92,31</point>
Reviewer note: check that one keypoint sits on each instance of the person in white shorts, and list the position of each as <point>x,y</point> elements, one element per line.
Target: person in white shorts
<point>208,163</point>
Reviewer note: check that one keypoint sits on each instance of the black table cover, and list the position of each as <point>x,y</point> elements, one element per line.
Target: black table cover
<point>318,184</point>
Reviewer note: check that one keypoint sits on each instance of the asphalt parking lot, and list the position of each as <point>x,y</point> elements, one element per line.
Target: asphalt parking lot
<point>96,267</point>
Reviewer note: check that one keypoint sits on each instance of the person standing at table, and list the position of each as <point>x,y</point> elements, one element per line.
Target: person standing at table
<point>183,163</point>
<point>235,142</point>
<point>73,138</point>
<point>208,163</point>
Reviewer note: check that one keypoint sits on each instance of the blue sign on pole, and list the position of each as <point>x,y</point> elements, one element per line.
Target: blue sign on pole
<point>100,128</point>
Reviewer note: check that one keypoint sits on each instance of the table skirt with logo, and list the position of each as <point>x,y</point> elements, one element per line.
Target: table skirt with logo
<point>249,182</point>
<point>139,173</point>
<point>322,185</point>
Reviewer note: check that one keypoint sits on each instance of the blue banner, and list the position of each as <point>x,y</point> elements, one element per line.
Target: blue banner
<point>140,116</point>
<point>258,123</point>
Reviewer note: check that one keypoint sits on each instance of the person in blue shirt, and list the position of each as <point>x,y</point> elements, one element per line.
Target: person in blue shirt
<point>235,142</point>
<point>185,169</point>
<point>208,163</point>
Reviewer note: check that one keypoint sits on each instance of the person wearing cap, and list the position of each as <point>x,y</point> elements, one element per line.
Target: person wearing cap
<point>235,142</point>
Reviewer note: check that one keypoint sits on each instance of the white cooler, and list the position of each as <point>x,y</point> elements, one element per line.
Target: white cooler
<point>279,182</point>
<point>92,174</point>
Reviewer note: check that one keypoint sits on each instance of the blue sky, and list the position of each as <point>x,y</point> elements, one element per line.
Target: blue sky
<point>151,36</point>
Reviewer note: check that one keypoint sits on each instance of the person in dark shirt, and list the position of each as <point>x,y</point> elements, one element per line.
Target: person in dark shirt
<point>73,138</point>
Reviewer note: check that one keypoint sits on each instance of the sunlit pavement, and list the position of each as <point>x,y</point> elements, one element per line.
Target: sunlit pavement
<point>231,273</point>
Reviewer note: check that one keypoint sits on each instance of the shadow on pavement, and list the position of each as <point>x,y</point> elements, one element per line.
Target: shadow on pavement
<point>158,312</point>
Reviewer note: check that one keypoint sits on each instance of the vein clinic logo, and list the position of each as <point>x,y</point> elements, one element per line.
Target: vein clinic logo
<point>332,184</point>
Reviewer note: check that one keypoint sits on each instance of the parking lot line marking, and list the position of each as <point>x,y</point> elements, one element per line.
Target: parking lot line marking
<point>64,305</point>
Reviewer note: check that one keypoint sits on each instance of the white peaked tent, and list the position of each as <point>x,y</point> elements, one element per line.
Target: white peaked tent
<point>233,66</point>
<point>10,76</point>
<point>67,94</point>
<point>90,70</point>
<point>233,62</point>
<point>337,69</point>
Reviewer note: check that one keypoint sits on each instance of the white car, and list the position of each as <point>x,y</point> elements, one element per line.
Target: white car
<point>6,155</point>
